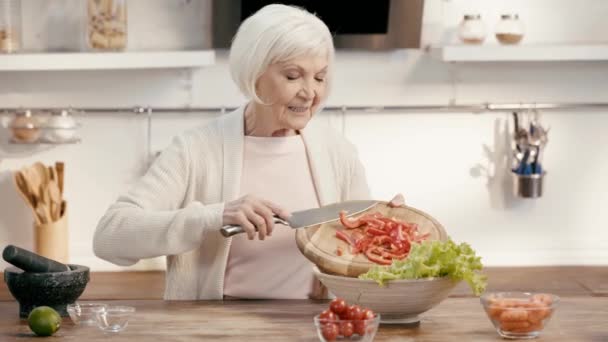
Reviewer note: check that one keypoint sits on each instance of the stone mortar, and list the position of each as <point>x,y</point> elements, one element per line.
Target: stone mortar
<point>54,289</point>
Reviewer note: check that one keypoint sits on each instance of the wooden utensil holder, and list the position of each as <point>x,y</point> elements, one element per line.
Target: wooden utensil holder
<point>51,239</point>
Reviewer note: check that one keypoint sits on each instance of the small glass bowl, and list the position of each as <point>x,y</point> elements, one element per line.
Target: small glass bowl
<point>359,330</point>
<point>84,313</point>
<point>519,315</point>
<point>114,319</point>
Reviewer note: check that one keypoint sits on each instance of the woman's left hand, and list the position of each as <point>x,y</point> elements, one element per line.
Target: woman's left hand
<point>397,201</point>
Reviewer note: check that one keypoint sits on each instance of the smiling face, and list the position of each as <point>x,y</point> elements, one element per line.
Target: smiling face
<point>291,91</point>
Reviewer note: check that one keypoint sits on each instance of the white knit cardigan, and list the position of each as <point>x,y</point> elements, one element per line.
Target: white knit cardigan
<point>176,208</point>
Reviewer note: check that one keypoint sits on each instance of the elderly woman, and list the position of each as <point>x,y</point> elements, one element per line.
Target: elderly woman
<point>265,158</point>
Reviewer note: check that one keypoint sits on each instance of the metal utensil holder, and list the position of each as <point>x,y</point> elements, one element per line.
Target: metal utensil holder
<point>528,186</point>
<point>529,140</point>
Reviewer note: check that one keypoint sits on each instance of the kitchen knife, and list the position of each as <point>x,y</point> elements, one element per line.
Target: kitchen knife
<point>311,217</point>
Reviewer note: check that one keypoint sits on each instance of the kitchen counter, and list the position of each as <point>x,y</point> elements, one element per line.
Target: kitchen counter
<point>455,319</point>
<point>581,316</point>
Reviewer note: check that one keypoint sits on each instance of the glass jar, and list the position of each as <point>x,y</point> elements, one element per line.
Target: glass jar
<point>472,29</point>
<point>25,127</point>
<point>10,26</point>
<point>509,30</point>
<point>106,25</point>
<point>62,26</point>
<point>60,127</point>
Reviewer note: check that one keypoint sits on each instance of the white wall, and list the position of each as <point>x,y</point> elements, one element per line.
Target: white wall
<point>437,160</point>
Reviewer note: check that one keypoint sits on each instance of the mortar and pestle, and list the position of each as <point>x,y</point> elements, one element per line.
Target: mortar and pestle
<point>38,281</point>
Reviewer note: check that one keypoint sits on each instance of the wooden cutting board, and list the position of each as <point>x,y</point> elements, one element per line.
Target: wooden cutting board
<point>319,243</point>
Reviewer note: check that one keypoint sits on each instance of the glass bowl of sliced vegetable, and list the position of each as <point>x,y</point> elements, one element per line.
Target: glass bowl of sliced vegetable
<point>519,315</point>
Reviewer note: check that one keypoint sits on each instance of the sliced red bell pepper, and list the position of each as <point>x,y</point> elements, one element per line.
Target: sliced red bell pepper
<point>379,238</point>
<point>340,234</point>
<point>377,259</point>
<point>349,222</point>
<point>374,231</point>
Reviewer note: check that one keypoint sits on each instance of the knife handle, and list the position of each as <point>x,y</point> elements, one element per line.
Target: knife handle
<point>230,230</point>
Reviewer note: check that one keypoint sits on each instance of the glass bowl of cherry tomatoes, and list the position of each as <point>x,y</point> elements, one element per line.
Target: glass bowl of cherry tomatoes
<point>344,322</point>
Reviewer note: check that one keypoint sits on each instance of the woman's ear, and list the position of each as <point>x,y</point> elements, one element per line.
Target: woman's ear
<point>263,97</point>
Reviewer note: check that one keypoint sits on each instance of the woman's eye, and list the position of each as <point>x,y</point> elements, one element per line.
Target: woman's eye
<point>292,77</point>
<point>320,79</point>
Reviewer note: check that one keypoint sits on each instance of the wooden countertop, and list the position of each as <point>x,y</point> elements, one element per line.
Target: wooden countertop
<point>455,319</point>
<point>581,316</point>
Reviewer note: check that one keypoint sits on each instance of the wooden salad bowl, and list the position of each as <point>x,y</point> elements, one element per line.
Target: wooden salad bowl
<point>320,245</point>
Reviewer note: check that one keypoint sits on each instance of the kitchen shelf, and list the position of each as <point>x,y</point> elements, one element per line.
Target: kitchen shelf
<point>44,141</point>
<point>106,60</point>
<point>522,53</point>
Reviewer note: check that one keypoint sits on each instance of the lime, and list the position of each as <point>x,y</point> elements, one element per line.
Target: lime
<point>44,321</point>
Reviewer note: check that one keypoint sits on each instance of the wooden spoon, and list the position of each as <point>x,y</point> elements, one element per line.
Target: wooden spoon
<point>55,199</point>
<point>60,174</point>
<point>42,172</point>
<point>43,212</point>
<point>32,183</point>
<point>52,173</point>
<point>23,190</point>
<point>55,193</point>
<point>46,198</point>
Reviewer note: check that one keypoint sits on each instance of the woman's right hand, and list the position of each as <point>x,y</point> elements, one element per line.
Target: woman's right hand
<point>253,213</point>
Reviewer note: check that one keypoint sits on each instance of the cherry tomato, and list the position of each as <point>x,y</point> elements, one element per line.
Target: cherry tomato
<point>354,313</point>
<point>330,331</point>
<point>347,329</point>
<point>343,315</point>
<point>327,316</point>
<point>338,305</point>
<point>367,314</point>
<point>360,327</point>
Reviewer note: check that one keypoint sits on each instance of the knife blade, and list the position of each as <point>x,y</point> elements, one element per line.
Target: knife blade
<point>311,217</point>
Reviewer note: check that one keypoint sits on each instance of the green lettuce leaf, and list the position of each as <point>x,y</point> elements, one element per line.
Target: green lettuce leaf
<point>434,259</point>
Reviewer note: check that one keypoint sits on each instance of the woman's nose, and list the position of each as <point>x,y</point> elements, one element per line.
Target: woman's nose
<point>307,91</point>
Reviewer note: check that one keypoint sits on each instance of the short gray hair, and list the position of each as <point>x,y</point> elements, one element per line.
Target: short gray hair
<point>276,33</point>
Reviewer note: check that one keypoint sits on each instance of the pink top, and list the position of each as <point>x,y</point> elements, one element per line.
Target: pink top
<point>276,169</point>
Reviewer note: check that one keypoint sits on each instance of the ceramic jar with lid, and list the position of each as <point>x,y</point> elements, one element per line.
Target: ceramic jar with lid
<point>471,29</point>
<point>10,26</point>
<point>106,25</point>
<point>25,127</point>
<point>510,29</point>
<point>60,127</point>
